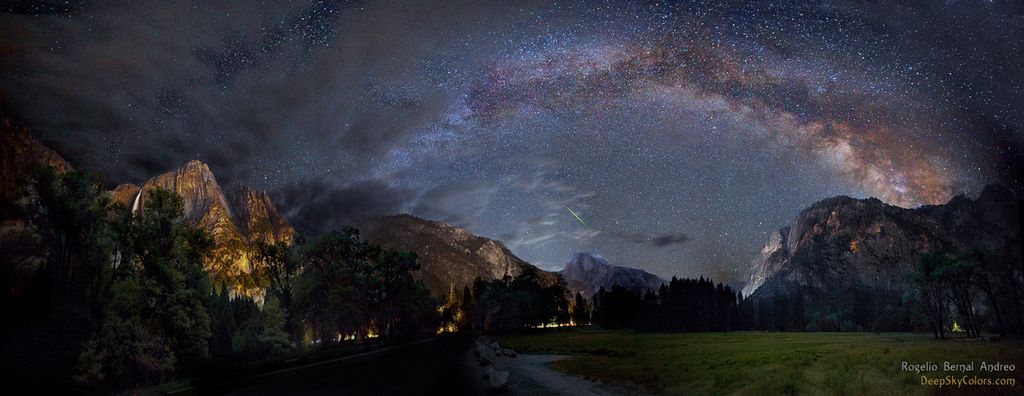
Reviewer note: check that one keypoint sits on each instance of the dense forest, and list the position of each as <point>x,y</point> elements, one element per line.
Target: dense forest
<point>682,305</point>
<point>99,298</point>
<point>960,294</point>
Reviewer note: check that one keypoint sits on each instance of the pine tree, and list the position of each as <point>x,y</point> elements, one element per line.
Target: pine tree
<point>272,334</point>
<point>581,310</point>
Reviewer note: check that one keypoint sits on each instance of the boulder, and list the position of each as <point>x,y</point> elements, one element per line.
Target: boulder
<point>497,379</point>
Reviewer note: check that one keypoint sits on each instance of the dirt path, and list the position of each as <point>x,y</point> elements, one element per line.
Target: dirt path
<point>528,375</point>
<point>537,376</point>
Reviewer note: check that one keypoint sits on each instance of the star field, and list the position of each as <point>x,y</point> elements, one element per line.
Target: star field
<point>682,133</point>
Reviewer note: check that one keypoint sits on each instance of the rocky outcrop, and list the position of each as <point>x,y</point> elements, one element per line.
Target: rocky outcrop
<point>234,225</point>
<point>587,273</point>
<point>257,217</point>
<point>448,255</point>
<point>841,241</point>
<point>127,194</point>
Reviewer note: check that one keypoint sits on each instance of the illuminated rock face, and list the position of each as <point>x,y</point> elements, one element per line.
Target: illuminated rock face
<point>448,255</point>
<point>127,194</point>
<point>587,273</point>
<point>234,228</point>
<point>257,218</point>
<point>841,241</point>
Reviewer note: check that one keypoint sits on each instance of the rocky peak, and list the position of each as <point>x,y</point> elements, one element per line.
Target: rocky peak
<point>586,263</point>
<point>586,273</point>
<point>205,204</point>
<point>257,217</point>
<point>234,225</point>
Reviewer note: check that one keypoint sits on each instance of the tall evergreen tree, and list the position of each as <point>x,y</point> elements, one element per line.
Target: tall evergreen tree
<point>272,333</point>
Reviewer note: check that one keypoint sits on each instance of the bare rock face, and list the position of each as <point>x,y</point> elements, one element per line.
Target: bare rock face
<point>768,262</point>
<point>234,225</point>
<point>205,203</point>
<point>448,255</point>
<point>205,207</point>
<point>257,218</point>
<point>587,273</point>
<point>127,194</point>
<point>841,241</point>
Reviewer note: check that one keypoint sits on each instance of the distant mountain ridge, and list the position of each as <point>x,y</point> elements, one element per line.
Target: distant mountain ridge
<point>448,255</point>
<point>842,241</point>
<point>586,273</point>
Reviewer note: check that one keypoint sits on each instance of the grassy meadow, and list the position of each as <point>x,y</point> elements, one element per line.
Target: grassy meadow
<point>756,363</point>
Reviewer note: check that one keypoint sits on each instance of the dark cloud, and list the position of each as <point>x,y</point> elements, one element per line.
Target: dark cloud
<point>242,85</point>
<point>656,241</point>
<point>316,206</point>
<point>669,240</point>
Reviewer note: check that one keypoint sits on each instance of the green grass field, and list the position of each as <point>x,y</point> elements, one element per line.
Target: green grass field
<point>753,363</point>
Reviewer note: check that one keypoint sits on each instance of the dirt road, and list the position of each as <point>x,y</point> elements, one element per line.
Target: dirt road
<point>528,375</point>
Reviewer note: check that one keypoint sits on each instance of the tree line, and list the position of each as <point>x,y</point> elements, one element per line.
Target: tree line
<point>970,293</point>
<point>96,297</point>
<point>965,294</point>
<point>507,304</point>
<point>962,293</point>
<point>681,305</point>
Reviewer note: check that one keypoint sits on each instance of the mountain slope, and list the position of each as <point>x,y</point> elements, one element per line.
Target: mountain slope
<point>587,273</point>
<point>251,218</point>
<point>20,152</point>
<point>448,255</point>
<point>20,155</point>
<point>841,241</point>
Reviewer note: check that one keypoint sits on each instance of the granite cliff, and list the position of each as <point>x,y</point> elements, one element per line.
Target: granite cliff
<point>587,273</point>
<point>235,224</point>
<point>841,241</point>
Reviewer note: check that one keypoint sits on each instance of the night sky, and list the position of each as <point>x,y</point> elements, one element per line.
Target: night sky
<point>681,134</point>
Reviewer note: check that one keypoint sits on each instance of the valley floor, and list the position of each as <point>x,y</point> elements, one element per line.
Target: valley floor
<point>758,363</point>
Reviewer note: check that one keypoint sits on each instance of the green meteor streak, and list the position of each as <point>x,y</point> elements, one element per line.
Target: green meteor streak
<point>577,216</point>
